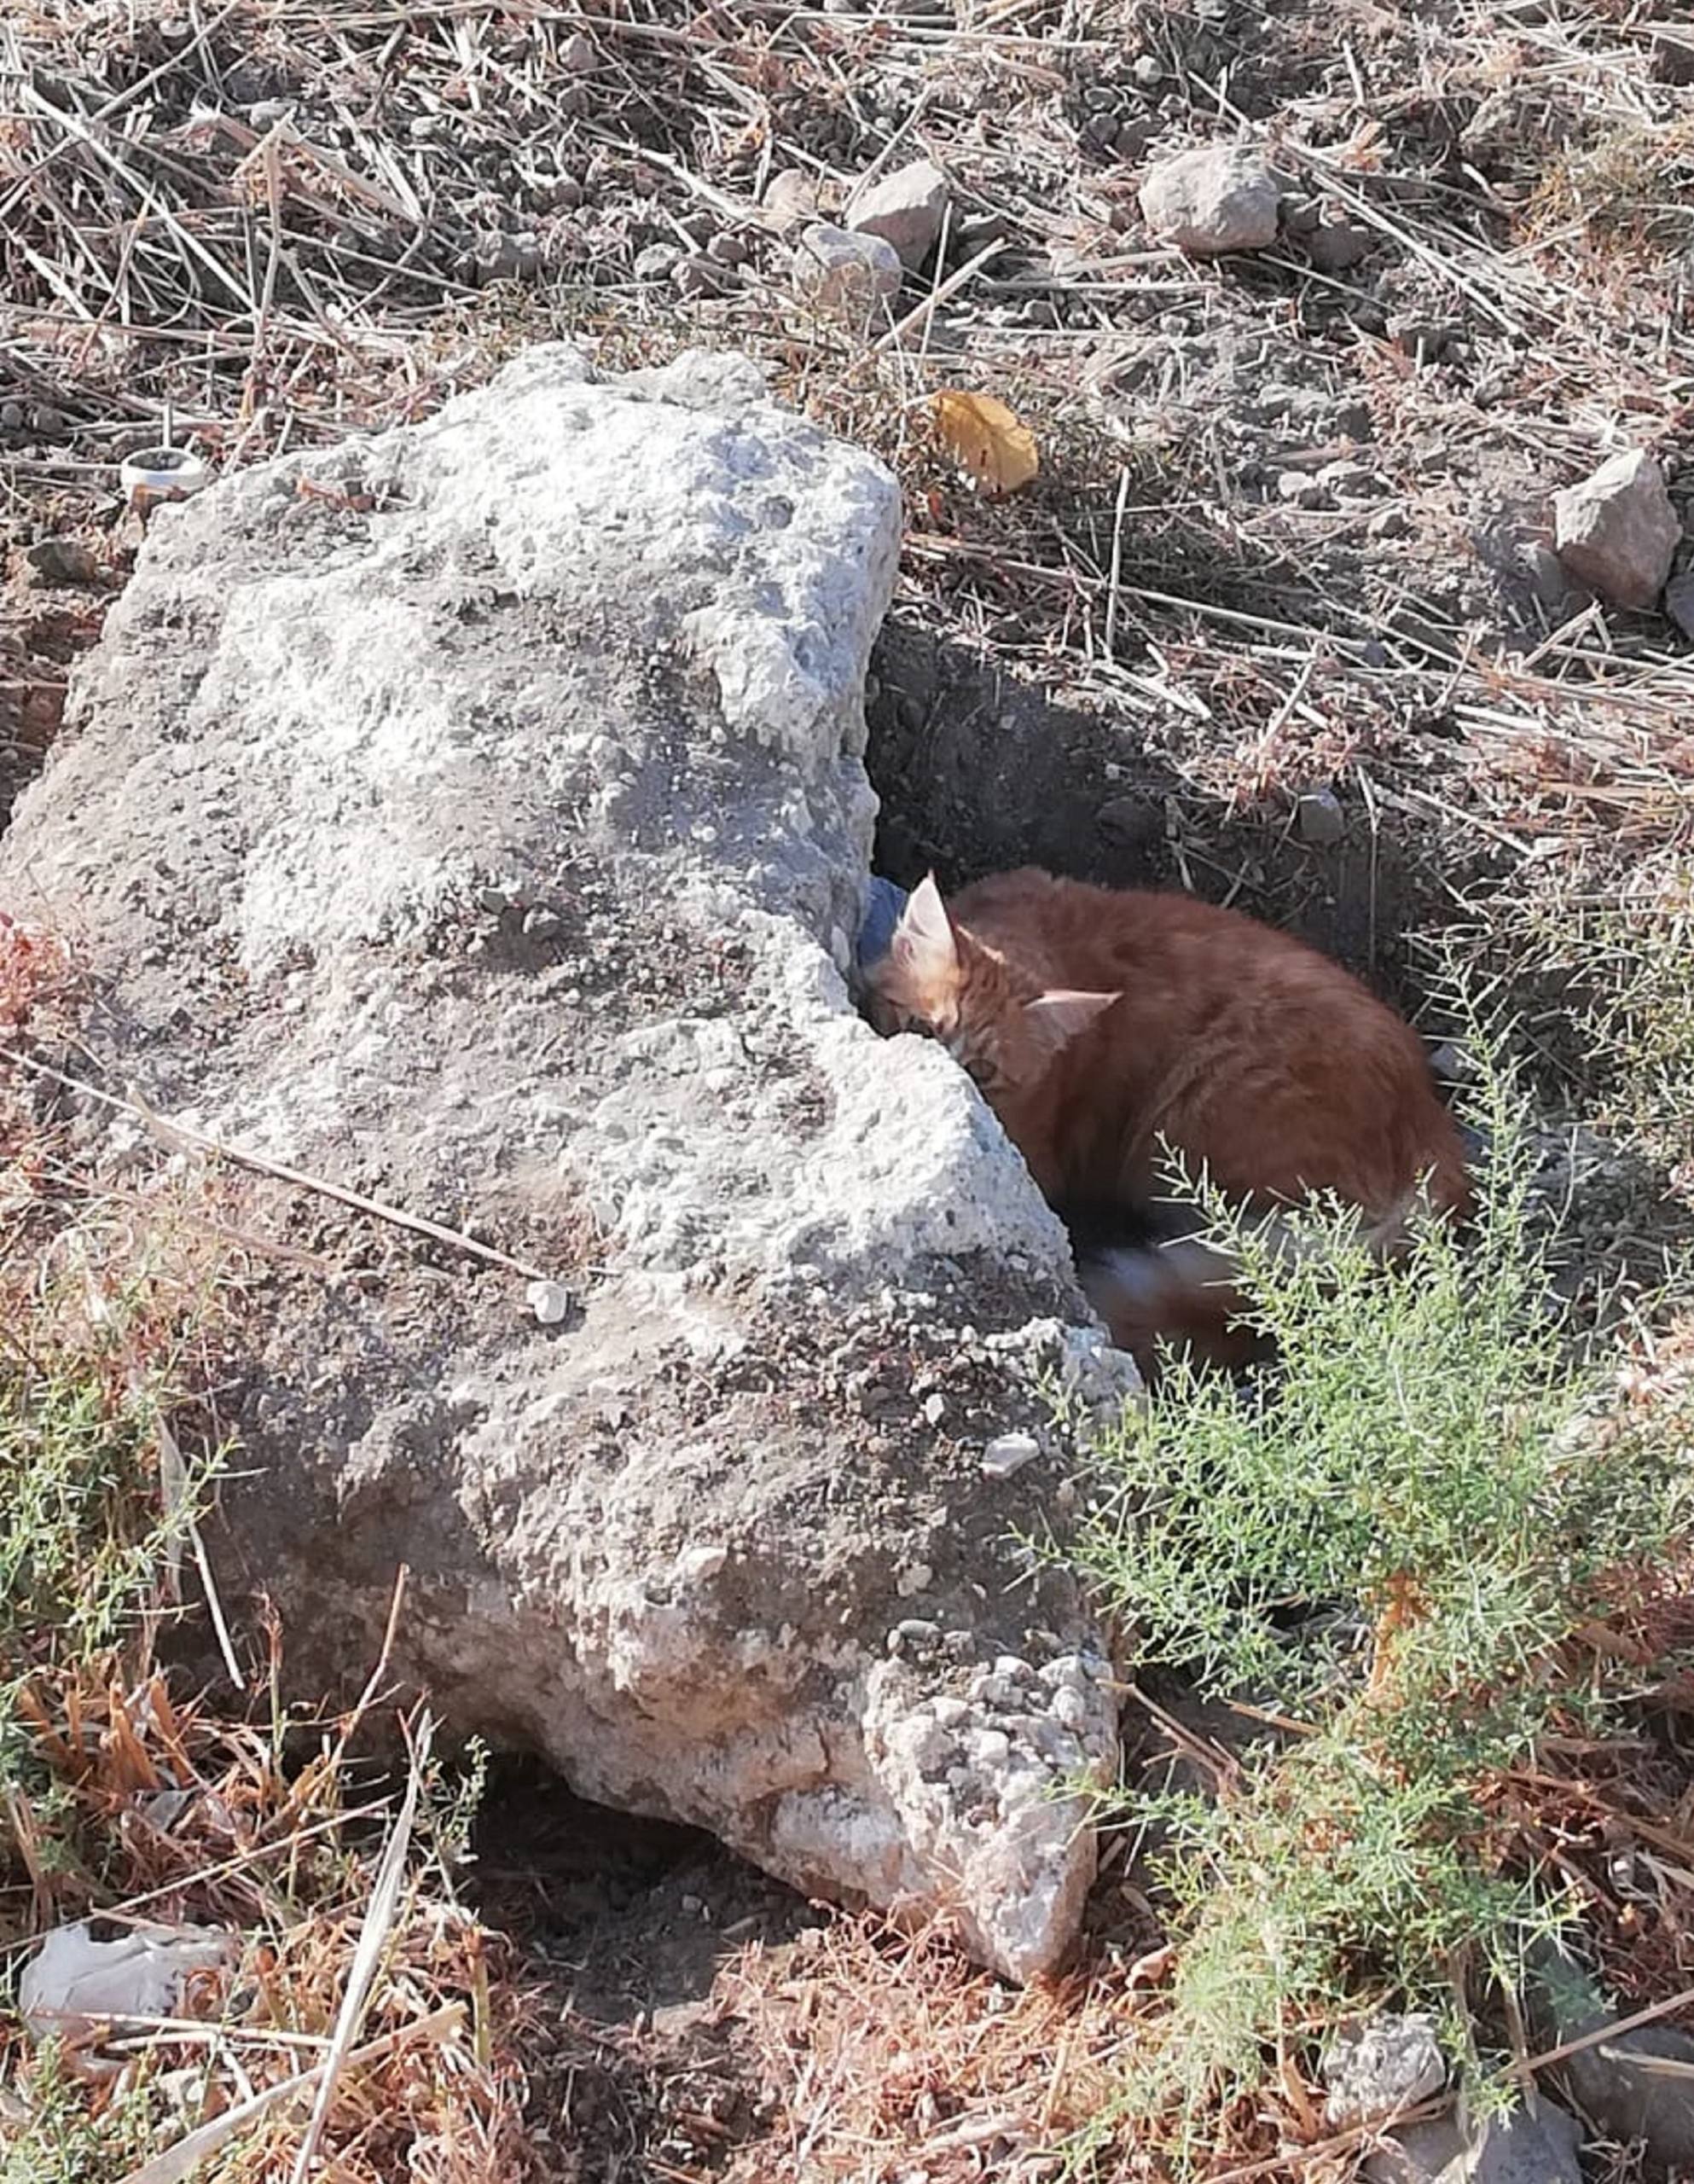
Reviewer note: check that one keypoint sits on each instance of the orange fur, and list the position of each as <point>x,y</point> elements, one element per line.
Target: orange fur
<point>1099,1022</point>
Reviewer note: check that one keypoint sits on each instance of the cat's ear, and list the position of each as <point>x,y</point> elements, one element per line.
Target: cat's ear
<point>1059,1016</point>
<point>923,942</point>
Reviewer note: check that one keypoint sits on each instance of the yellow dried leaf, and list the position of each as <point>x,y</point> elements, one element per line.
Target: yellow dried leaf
<point>987,440</point>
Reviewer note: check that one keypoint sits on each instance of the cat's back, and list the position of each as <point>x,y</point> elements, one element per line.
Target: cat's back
<point>1075,934</point>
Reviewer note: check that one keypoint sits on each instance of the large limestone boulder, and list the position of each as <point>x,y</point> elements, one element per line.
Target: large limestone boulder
<point>475,818</point>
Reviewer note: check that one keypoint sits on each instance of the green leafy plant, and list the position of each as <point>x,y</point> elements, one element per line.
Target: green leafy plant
<point>1386,1546</point>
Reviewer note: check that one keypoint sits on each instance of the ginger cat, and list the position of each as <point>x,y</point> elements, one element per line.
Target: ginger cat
<point>1097,1022</point>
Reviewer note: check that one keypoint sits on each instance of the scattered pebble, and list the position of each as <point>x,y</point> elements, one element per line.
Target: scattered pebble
<point>850,275</point>
<point>578,53</point>
<point>61,560</point>
<point>1302,489</point>
<point>1320,818</point>
<point>1679,601</point>
<point>916,1578</point>
<point>1148,71</point>
<point>1388,523</point>
<point>1007,1454</point>
<point>1616,531</point>
<point>1212,201</point>
<point>550,1301</point>
<point>905,209</point>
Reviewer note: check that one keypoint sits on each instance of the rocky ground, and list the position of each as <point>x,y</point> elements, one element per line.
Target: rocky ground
<point>1281,615</point>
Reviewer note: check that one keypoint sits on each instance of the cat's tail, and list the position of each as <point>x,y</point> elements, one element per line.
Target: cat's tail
<point>1148,1286</point>
<point>1180,1292</point>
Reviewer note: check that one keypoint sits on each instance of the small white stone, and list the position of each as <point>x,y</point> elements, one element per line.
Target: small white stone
<point>915,1577</point>
<point>1008,1453</point>
<point>935,1408</point>
<point>550,1301</point>
<point>694,1564</point>
<point>1069,1709</point>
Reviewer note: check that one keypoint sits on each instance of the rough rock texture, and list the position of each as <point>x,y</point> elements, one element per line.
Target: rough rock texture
<point>1616,531</point>
<point>1538,2143</point>
<point>851,276</point>
<point>475,816</point>
<point>906,209</point>
<point>1211,200</point>
<point>1635,2088</point>
<point>1389,2062</point>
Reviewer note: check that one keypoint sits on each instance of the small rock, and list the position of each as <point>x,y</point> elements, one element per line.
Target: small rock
<point>1525,2148</point>
<point>694,1564</point>
<point>1616,531</point>
<point>694,277</point>
<point>1337,246</point>
<point>47,421</point>
<point>1069,1709</point>
<point>1302,489</point>
<point>61,560</point>
<point>790,198</point>
<point>1378,2065</point>
<point>1388,523</point>
<point>851,275</point>
<point>906,209</point>
<point>913,1634</point>
<point>1672,53</point>
<point>1319,817</point>
<point>1679,601</point>
<point>550,1302</point>
<point>1148,71</point>
<point>935,1408</point>
<point>916,1578</point>
<point>1135,137</point>
<point>12,416</point>
<point>657,261</point>
<point>578,53</point>
<point>1212,201</point>
<point>1007,1454</point>
<point>727,249</point>
<point>1614,2080</point>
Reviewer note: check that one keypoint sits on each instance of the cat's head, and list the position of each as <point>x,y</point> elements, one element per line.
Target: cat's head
<point>937,977</point>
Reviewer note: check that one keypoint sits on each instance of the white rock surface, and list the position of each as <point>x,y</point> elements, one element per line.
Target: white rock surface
<point>485,832</point>
<point>1617,532</point>
<point>1378,2065</point>
<point>852,276</point>
<point>906,209</point>
<point>1219,198</point>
